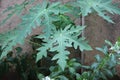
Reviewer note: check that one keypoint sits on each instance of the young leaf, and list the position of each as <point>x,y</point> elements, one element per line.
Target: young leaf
<point>98,58</point>
<point>109,43</point>
<point>60,39</point>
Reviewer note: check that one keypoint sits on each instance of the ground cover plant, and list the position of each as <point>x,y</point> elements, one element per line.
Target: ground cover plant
<point>59,32</point>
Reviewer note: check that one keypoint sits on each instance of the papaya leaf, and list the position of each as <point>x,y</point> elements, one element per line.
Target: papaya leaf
<point>60,40</point>
<point>99,6</point>
<point>16,9</point>
<point>39,15</point>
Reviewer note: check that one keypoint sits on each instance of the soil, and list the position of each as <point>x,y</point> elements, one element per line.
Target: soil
<point>11,76</point>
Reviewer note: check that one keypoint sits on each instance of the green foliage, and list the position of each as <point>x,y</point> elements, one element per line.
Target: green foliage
<point>56,73</point>
<point>68,74</point>
<point>103,68</point>
<point>102,7</point>
<point>84,76</point>
<point>39,15</point>
<point>63,21</point>
<point>58,33</point>
<point>16,9</point>
<point>115,49</point>
<point>60,40</point>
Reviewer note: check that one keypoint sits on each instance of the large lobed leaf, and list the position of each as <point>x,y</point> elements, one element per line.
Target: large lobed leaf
<point>15,10</point>
<point>99,6</point>
<point>39,15</point>
<point>60,40</point>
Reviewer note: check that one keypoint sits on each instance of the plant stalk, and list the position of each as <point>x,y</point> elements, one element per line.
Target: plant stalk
<point>83,35</point>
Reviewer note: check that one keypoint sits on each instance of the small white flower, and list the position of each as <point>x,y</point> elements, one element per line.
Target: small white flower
<point>46,78</point>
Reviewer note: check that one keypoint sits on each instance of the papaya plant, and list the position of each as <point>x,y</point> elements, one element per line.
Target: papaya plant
<point>55,40</point>
<point>59,31</point>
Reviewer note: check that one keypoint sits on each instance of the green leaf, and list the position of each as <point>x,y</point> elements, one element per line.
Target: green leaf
<point>45,47</point>
<point>40,76</point>
<point>42,52</point>
<point>39,15</point>
<point>109,43</point>
<point>94,65</point>
<point>103,15</point>
<point>62,56</point>
<point>98,58</point>
<point>73,63</point>
<point>109,73</point>
<point>61,77</point>
<point>84,76</point>
<point>99,6</point>
<point>103,76</point>
<point>16,9</point>
<point>60,39</point>
<point>103,50</point>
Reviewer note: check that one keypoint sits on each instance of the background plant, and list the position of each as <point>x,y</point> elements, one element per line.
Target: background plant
<point>103,68</point>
